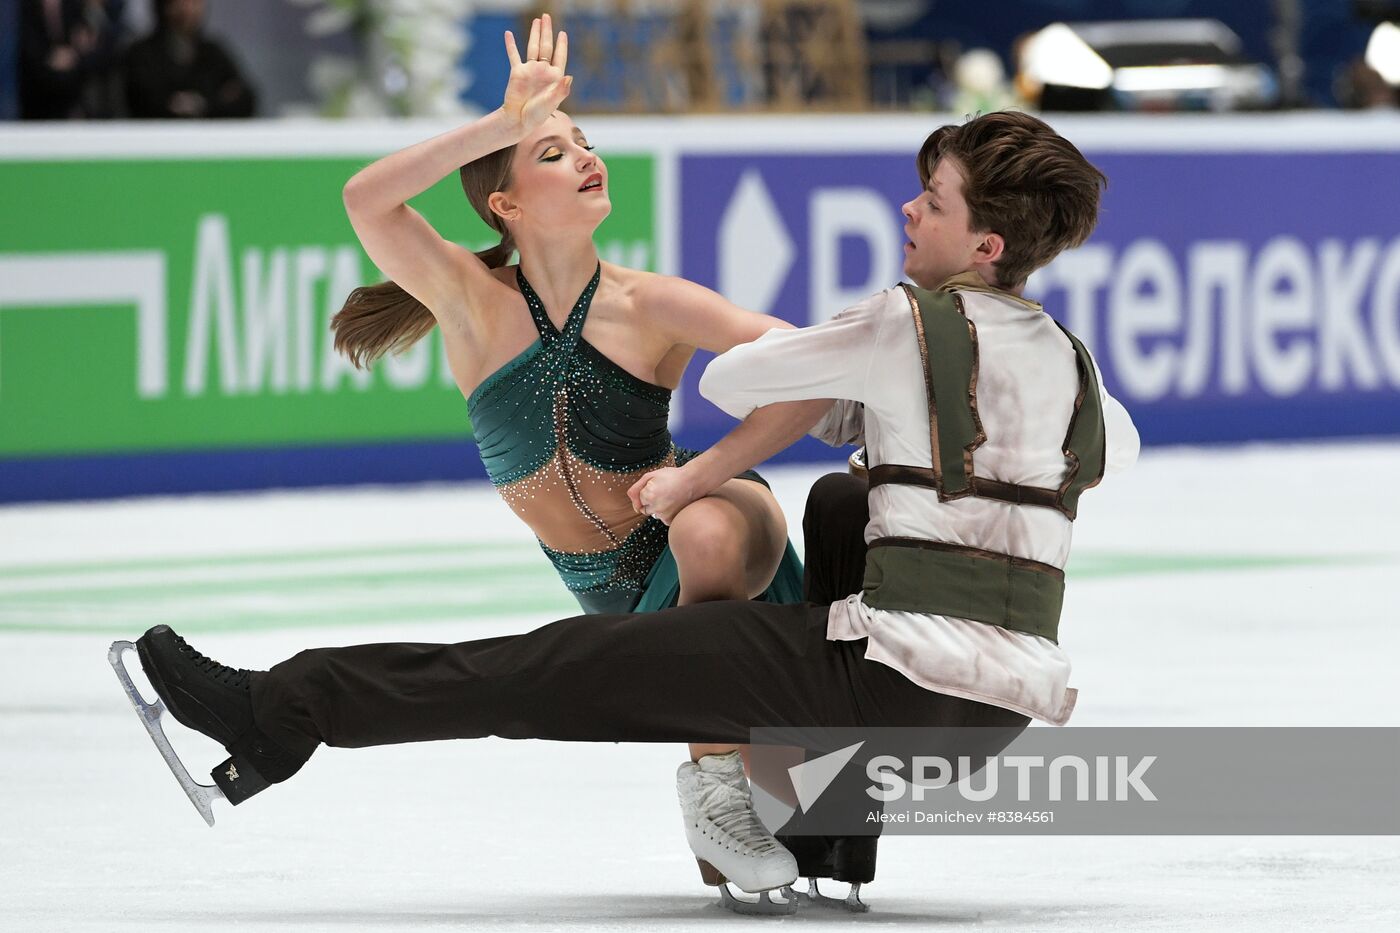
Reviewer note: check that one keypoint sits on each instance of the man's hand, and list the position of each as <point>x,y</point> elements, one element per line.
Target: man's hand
<point>663,493</point>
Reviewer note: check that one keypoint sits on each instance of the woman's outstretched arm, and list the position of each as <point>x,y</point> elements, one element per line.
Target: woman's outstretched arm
<point>695,316</point>
<point>397,238</point>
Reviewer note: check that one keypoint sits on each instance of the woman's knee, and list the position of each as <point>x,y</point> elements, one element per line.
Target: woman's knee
<point>729,544</point>
<point>709,535</point>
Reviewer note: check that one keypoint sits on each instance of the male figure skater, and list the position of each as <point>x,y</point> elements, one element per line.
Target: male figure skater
<point>983,422</point>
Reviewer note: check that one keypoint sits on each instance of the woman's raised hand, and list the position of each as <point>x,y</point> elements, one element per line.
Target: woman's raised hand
<point>538,85</point>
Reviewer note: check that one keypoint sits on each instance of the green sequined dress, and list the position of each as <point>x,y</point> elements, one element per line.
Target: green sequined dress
<point>564,432</point>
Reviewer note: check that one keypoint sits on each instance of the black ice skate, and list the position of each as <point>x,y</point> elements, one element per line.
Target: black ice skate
<point>848,859</point>
<point>212,699</point>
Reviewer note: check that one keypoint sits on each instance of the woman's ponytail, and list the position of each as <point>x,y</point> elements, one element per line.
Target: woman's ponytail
<point>500,254</point>
<point>377,319</point>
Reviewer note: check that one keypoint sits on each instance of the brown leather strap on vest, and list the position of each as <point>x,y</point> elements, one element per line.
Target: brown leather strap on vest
<point>950,356</point>
<point>905,475</point>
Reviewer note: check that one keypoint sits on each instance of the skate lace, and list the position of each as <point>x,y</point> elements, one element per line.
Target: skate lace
<point>731,811</point>
<point>232,676</point>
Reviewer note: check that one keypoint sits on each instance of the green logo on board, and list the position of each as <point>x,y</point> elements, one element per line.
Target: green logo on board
<point>151,305</point>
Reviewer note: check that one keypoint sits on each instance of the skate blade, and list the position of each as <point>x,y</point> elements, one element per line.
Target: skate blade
<point>201,795</point>
<point>766,906</point>
<point>813,897</point>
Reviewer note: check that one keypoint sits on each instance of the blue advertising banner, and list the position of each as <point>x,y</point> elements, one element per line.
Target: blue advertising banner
<point>1226,296</point>
<point>1243,284</point>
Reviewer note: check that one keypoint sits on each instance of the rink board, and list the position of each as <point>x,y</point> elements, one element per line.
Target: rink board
<point>164,292</point>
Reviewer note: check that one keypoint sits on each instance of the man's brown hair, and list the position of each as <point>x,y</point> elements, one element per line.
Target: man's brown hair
<point>1021,180</point>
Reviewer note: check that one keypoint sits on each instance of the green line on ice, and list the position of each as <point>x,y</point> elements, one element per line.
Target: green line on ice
<point>558,605</point>
<point>354,580</point>
<point>489,592</point>
<point>465,549</point>
<point>1104,564</point>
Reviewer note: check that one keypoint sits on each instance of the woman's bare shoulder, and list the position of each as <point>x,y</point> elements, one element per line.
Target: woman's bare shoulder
<point>652,290</point>
<point>625,279</point>
<point>638,299</point>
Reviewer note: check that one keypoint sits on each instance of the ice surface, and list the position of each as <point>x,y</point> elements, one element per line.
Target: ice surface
<point>1255,586</point>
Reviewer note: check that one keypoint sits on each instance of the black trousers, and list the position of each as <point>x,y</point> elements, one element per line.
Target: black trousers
<point>702,673</point>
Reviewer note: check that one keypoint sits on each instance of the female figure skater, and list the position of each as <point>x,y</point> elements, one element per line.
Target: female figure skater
<point>567,363</point>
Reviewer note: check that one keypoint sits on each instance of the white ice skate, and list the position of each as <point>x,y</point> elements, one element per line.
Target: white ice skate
<point>729,841</point>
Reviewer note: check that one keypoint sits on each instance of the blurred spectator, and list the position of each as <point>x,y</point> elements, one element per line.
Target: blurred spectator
<point>981,82</point>
<point>66,50</point>
<point>177,72</point>
<point>814,54</point>
<point>1361,87</point>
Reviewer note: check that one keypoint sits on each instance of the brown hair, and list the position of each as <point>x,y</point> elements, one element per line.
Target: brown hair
<point>1023,181</point>
<point>383,318</point>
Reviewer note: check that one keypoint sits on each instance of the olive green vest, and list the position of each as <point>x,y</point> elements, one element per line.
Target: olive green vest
<point>915,575</point>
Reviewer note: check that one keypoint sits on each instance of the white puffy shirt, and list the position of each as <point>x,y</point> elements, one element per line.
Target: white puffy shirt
<point>1026,385</point>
